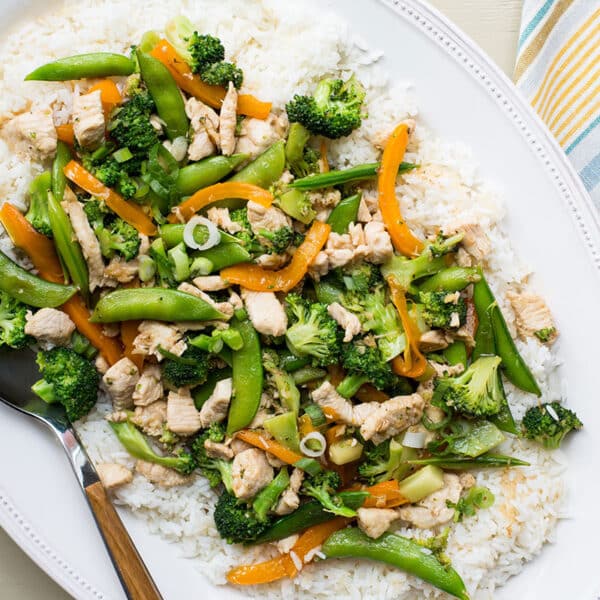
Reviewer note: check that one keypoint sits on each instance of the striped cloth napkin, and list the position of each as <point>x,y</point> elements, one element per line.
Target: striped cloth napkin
<point>558,71</point>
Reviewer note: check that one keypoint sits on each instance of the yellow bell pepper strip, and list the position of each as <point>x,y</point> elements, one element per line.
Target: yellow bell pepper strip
<point>403,239</point>
<point>212,95</point>
<point>385,495</point>
<point>413,363</point>
<point>109,95</point>
<point>284,566</point>
<point>43,256</point>
<point>220,191</point>
<point>66,134</point>
<point>130,213</point>
<point>255,278</point>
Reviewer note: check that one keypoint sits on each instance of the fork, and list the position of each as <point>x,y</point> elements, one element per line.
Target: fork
<point>17,373</point>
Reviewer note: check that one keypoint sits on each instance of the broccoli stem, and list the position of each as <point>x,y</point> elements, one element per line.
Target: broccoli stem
<point>351,384</point>
<point>45,391</point>
<point>267,498</point>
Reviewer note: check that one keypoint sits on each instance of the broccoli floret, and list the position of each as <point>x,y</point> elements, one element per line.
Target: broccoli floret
<point>130,125</point>
<point>440,313</point>
<point>477,392</point>
<point>204,51</point>
<point>111,173</point>
<point>364,364</point>
<point>279,240</point>
<point>467,506</point>
<point>136,444</point>
<point>548,424</point>
<point>360,278</point>
<point>189,369</point>
<point>216,470</point>
<point>216,432</point>
<point>429,262</point>
<point>381,462</point>
<point>80,344</point>
<point>236,522</point>
<point>437,544</point>
<point>221,73</point>
<point>314,333</point>
<point>115,235</point>
<point>302,160</point>
<point>379,315</point>
<point>545,334</point>
<point>334,110</point>
<point>37,214</point>
<point>12,322</point>
<point>322,487</point>
<point>68,378</point>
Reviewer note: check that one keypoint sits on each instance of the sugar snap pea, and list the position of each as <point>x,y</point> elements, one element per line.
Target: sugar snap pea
<point>344,214</point>
<point>172,234</point>
<point>265,169</point>
<point>59,179</point>
<point>224,255</point>
<point>83,66</point>
<point>208,171</point>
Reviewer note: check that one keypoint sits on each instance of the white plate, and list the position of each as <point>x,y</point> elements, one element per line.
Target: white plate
<point>463,96</point>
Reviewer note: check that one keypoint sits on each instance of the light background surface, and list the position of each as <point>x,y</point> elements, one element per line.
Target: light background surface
<point>494,25</point>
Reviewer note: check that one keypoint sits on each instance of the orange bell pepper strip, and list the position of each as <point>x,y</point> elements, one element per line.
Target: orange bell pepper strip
<point>109,94</point>
<point>403,239</point>
<point>212,95</point>
<point>284,566</point>
<point>385,495</point>
<point>220,191</point>
<point>254,277</point>
<point>369,393</point>
<point>129,331</point>
<point>66,134</point>
<point>413,364</point>
<point>43,256</point>
<point>271,446</point>
<point>305,426</point>
<point>129,212</point>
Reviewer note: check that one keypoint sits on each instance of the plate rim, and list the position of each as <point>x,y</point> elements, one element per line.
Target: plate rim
<point>473,59</point>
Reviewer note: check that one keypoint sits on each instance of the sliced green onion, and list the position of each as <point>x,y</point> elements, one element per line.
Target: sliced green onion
<point>122,155</point>
<point>181,261</point>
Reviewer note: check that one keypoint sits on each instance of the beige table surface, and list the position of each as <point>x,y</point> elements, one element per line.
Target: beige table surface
<point>494,24</point>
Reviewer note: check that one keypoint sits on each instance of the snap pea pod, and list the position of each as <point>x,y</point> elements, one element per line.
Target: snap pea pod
<point>203,392</point>
<point>158,304</point>
<point>59,180</point>
<point>305,374</point>
<point>172,235</point>
<point>504,418</point>
<point>456,353</point>
<point>290,362</point>
<point>247,373</point>
<point>398,551</point>
<point>208,171</point>
<point>265,169</point>
<point>309,514</point>
<point>452,279</point>
<point>68,249</point>
<point>460,463</point>
<point>83,66</point>
<point>22,285</point>
<point>269,495</point>
<point>224,255</point>
<point>165,93</point>
<point>344,214</point>
<point>513,365</point>
<point>357,173</point>
<point>327,291</point>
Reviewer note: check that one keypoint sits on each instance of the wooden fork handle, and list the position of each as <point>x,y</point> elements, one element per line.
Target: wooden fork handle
<point>131,569</point>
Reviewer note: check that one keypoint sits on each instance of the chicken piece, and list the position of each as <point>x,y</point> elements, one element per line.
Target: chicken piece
<point>111,330</point>
<point>221,218</point>
<point>149,387</point>
<point>151,419</point>
<point>101,364</point>
<point>289,500</point>
<point>446,370</point>
<point>348,321</point>
<point>271,261</point>
<point>475,241</point>
<point>87,240</point>
<point>269,219</point>
<point>117,416</point>
<point>183,417</point>
<point>327,397</point>
<point>235,300</point>
<point>153,334</point>
<point>120,381</point>
<point>161,476</point>
<point>266,312</point>
<point>210,283</point>
<point>359,241</point>
<point>339,250</point>
<point>376,521</point>
<point>32,134</point>
<point>466,332</point>
<point>250,473</point>
<point>320,266</point>
<point>228,120</point>
<point>532,316</point>
<point>238,446</point>
<point>378,242</point>
<point>88,119</point>
<point>434,340</point>
<point>113,475</point>
<point>467,481</point>
<point>121,271</point>
<point>204,122</point>
<point>433,510</point>
<point>328,198</point>
<point>256,135</point>
<point>50,325</point>
<point>286,544</point>
<point>463,258</point>
<point>214,410</point>
<point>391,417</point>
<point>364,214</point>
<point>216,450</point>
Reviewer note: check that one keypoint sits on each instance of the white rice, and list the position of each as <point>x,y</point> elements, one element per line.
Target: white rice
<point>284,50</point>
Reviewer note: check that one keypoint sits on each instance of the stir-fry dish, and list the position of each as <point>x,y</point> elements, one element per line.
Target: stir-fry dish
<point>261,317</point>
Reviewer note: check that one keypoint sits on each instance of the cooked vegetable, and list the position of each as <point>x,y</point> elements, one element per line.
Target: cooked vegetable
<point>37,214</point>
<point>267,498</point>
<point>236,522</point>
<point>344,214</point>
<point>302,160</point>
<point>187,370</point>
<point>83,66</point>
<point>549,424</point>
<point>216,470</point>
<point>208,171</point>
<point>440,312</point>
<point>12,322</point>
<point>322,487</point>
<point>467,506</point>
